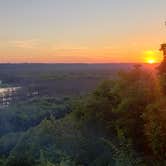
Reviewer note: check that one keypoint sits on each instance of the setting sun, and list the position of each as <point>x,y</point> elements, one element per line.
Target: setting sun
<point>151,61</point>
<point>152,56</point>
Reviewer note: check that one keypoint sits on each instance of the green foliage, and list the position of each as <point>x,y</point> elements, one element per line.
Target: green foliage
<point>121,123</point>
<point>43,161</point>
<point>22,116</point>
<point>155,127</point>
<point>2,161</point>
<point>96,111</point>
<point>119,103</point>
<point>162,75</point>
<point>123,153</point>
<point>122,104</point>
<point>7,144</point>
<point>20,161</point>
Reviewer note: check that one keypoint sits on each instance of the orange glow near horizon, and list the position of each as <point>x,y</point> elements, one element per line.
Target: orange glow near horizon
<point>106,50</point>
<point>78,54</point>
<point>152,56</point>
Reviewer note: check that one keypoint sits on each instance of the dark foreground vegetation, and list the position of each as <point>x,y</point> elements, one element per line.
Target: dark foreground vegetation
<point>120,123</point>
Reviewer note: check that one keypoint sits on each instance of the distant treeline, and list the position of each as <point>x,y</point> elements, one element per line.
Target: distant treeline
<point>60,79</point>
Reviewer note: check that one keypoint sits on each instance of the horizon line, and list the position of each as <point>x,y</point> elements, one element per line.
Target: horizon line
<point>45,63</point>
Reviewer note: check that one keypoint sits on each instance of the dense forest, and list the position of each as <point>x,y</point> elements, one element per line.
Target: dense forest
<point>120,123</point>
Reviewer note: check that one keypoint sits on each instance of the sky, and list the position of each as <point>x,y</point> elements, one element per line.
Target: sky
<point>81,31</point>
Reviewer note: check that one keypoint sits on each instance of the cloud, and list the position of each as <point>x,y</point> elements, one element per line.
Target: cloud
<point>70,49</point>
<point>33,43</point>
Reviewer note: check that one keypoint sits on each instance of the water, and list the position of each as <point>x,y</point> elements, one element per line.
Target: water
<point>7,95</point>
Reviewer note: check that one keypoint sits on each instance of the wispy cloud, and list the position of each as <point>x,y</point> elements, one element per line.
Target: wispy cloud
<point>32,43</point>
<point>70,49</point>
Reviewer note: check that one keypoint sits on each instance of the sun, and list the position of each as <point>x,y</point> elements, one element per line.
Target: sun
<point>151,61</point>
<point>151,56</point>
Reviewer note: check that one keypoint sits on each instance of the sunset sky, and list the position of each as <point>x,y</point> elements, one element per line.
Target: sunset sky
<point>91,31</point>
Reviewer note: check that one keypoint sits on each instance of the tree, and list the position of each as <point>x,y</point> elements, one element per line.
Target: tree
<point>123,153</point>
<point>155,128</point>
